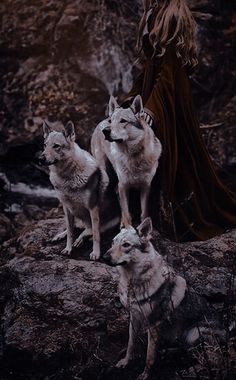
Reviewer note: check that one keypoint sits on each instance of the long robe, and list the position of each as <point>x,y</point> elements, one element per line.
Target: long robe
<point>188,201</point>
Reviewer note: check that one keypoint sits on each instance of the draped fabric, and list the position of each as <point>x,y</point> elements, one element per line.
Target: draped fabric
<point>188,201</point>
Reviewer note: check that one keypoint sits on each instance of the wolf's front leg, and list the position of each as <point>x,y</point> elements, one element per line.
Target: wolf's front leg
<point>124,205</point>
<point>134,326</point>
<point>95,220</point>
<point>70,229</point>
<point>153,334</point>
<point>144,196</point>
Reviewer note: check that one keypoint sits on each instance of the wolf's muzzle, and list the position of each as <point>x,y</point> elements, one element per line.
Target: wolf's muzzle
<point>107,133</point>
<point>43,161</point>
<point>108,260</point>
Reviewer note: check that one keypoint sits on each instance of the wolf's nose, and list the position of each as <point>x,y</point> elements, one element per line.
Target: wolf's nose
<point>106,131</point>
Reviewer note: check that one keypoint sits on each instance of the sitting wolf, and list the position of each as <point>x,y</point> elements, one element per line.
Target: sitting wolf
<point>79,183</point>
<point>157,298</point>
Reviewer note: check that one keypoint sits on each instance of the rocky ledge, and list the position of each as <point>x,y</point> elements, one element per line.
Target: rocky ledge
<point>61,317</point>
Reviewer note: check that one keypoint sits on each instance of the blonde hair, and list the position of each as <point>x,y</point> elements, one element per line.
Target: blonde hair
<point>173,24</point>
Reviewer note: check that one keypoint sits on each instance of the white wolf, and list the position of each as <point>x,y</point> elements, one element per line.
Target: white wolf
<point>127,141</point>
<point>79,183</point>
<point>157,298</point>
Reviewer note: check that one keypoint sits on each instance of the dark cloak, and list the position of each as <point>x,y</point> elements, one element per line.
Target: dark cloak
<point>188,200</point>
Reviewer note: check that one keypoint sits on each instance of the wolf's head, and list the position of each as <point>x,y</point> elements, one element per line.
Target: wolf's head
<point>126,124</point>
<point>130,245</point>
<point>57,145</point>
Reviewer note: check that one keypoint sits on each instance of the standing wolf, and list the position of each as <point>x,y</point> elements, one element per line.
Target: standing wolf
<point>79,183</point>
<point>127,141</point>
<point>157,298</point>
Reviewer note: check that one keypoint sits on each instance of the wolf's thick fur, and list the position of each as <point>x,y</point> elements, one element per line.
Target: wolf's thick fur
<point>126,140</point>
<point>157,298</point>
<point>79,183</point>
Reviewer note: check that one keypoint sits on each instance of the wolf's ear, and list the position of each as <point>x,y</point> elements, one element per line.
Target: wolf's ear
<point>137,105</point>
<point>145,229</point>
<point>112,105</point>
<point>46,129</point>
<point>70,131</point>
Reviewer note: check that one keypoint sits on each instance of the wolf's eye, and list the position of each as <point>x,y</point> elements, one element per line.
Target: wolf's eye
<point>122,121</point>
<point>126,245</point>
<point>56,146</point>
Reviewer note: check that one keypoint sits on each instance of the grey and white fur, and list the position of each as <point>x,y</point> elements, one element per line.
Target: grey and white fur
<point>127,141</point>
<point>157,298</point>
<point>79,183</point>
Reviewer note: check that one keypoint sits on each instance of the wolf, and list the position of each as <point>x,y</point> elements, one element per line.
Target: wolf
<point>129,144</point>
<point>79,183</point>
<point>157,298</point>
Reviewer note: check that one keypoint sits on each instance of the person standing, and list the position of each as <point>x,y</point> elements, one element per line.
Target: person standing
<point>189,202</point>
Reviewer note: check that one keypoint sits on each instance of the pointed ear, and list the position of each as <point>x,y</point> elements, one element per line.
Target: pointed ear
<point>145,229</point>
<point>112,105</point>
<point>70,131</point>
<point>46,129</point>
<point>137,105</point>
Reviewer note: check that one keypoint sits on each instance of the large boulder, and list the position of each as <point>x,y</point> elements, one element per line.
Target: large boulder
<point>61,60</point>
<point>56,312</point>
<point>62,316</point>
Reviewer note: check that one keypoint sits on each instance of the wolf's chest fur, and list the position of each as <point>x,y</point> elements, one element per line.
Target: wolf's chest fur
<point>134,168</point>
<point>143,280</point>
<point>79,190</point>
<point>150,292</point>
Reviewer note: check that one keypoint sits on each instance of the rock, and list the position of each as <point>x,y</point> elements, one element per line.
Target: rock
<point>208,266</point>
<point>64,315</point>
<point>6,228</point>
<point>56,309</point>
<point>62,60</point>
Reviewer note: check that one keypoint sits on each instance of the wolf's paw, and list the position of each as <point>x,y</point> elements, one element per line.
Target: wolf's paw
<point>122,363</point>
<point>94,255</point>
<point>59,237</point>
<point>66,251</point>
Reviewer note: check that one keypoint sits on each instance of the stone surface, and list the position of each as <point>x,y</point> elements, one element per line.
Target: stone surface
<point>63,316</point>
<point>61,60</point>
<point>208,266</point>
<point>6,228</point>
